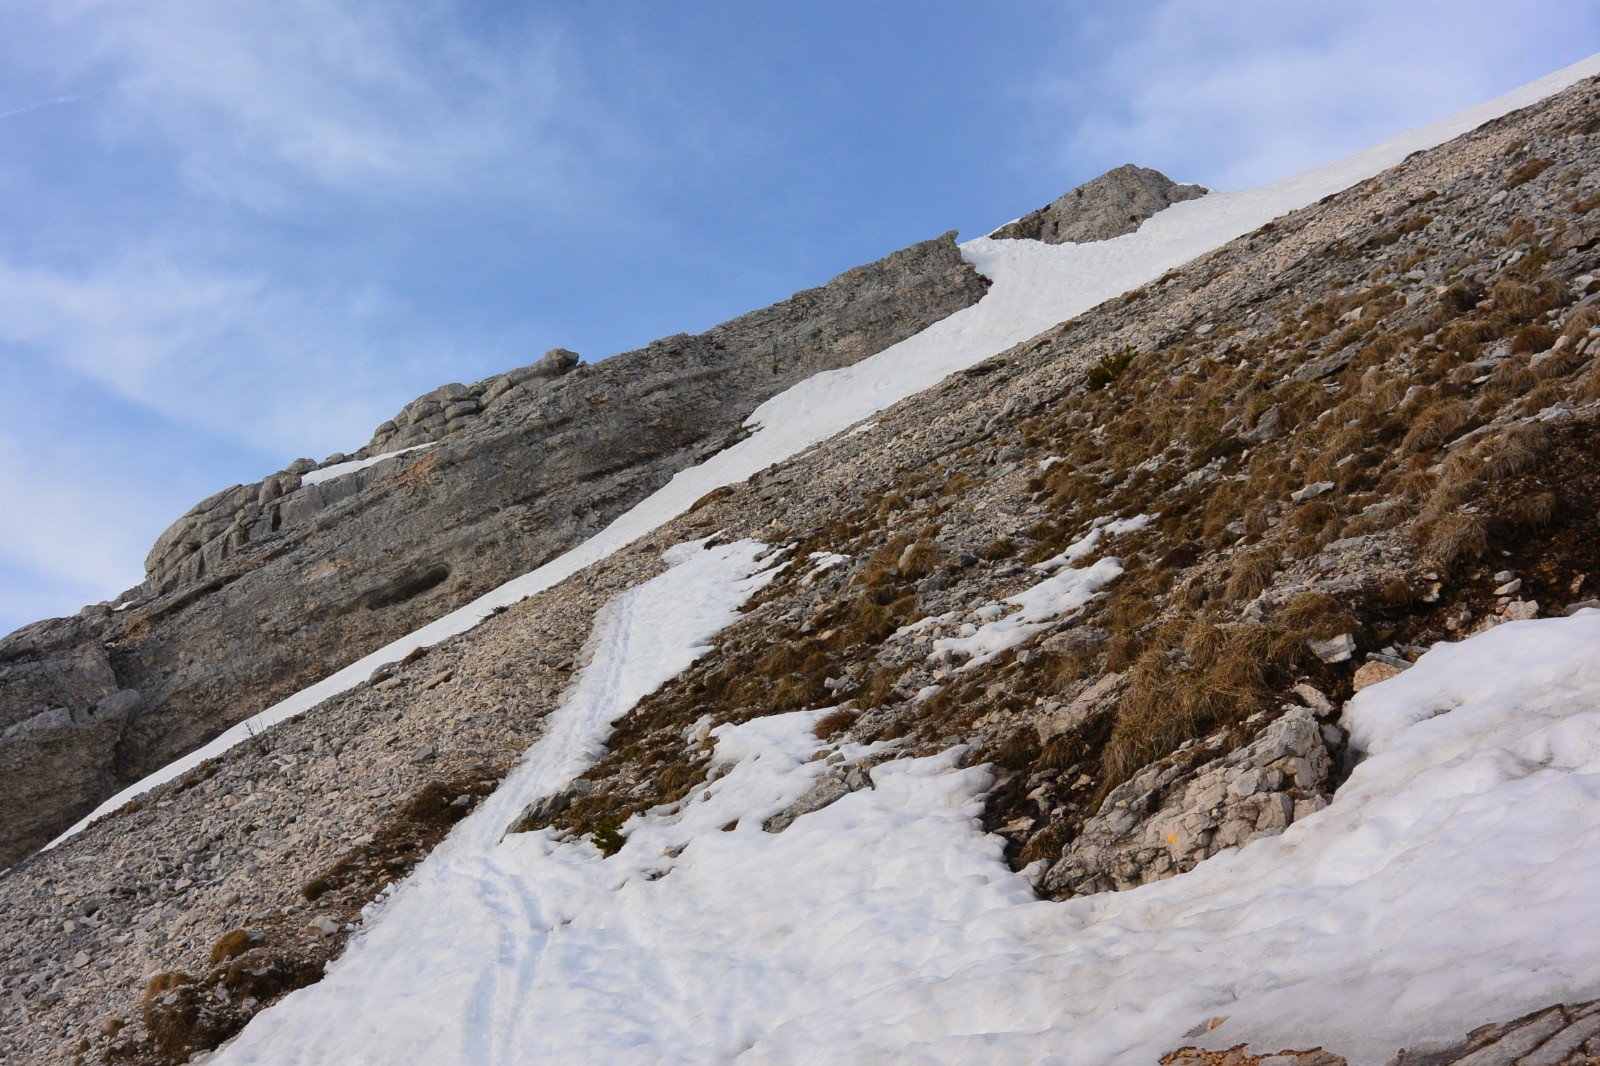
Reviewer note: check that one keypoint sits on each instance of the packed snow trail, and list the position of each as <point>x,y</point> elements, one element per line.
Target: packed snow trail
<point>1449,883</point>
<point>1034,286</point>
<point>436,971</point>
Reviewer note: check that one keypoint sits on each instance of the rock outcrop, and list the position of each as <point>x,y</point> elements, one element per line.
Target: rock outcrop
<point>1562,1035</point>
<point>262,589</point>
<point>1115,203</point>
<point>1194,803</point>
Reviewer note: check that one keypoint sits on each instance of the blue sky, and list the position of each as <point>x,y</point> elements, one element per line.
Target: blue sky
<point>236,233</point>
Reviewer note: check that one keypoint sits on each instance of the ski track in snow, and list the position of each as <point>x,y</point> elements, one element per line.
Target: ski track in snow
<point>1034,286</point>
<point>455,949</point>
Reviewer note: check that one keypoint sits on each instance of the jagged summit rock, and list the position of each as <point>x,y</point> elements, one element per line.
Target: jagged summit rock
<point>1115,203</point>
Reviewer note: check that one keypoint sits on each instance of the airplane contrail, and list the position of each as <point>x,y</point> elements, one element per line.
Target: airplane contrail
<point>57,102</point>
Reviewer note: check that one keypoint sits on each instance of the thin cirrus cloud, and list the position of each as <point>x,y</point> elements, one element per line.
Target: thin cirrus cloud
<point>206,213</point>
<point>1237,93</point>
<point>233,357</point>
<point>408,101</point>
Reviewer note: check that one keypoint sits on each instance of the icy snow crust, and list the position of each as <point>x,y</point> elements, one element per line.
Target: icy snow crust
<point>1034,287</point>
<point>1450,881</point>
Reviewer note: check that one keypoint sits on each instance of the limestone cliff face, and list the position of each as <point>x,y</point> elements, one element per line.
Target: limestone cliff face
<point>262,589</point>
<point>1115,203</point>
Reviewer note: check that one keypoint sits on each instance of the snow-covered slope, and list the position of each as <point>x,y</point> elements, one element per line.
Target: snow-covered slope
<point>1447,882</point>
<point>1034,287</point>
<point>445,974</point>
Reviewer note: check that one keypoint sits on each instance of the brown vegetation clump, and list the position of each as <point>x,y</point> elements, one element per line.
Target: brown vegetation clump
<point>834,723</point>
<point>1231,675</point>
<point>1527,172</point>
<point>230,944</point>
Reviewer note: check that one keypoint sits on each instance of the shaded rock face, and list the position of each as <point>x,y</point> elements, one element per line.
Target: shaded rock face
<point>1115,203</point>
<point>262,589</point>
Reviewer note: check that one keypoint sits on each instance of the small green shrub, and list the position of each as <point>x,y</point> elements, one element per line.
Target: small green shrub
<point>608,835</point>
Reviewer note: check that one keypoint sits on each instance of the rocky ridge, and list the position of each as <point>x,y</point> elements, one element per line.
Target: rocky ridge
<point>1364,428</point>
<point>262,589</point>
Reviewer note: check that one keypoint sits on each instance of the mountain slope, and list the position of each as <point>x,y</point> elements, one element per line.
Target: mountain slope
<point>263,589</point>
<point>1434,323</point>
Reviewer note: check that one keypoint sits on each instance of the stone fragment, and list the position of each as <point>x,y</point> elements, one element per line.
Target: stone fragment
<point>1099,698</point>
<point>1520,610</point>
<point>1373,673</point>
<point>1174,813</point>
<point>825,791</point>
<point>1314,698</point>
<point>1311,491</point>
<point>1266,427</point>
<point>1334,650</point>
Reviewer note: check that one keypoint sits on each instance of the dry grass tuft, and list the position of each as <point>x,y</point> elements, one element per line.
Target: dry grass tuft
<point>1166,705</point>
<point>1535,338</point>
<point>1454,538</point>
<point>1533,509</point>
<point>1515,450</point>
<point>1527,172</point>
<point>833,723</point>
<point>230,944</point>
<point>1435,425</point>
<point>1319,615</point>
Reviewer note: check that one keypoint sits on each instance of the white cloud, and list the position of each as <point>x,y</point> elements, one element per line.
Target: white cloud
<point>276,368</point>
<point>1236,93</point>
<point>259,101</point>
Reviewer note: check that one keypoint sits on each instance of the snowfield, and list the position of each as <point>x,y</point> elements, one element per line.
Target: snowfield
<point>1034,286</point>
<point>444,966</point>
<point>1450,881</point>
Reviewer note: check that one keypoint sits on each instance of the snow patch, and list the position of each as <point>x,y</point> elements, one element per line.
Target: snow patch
<point>821,563</point>
<point>1449,881</point>
<point>328,473</point>
<point>1043,604</point>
